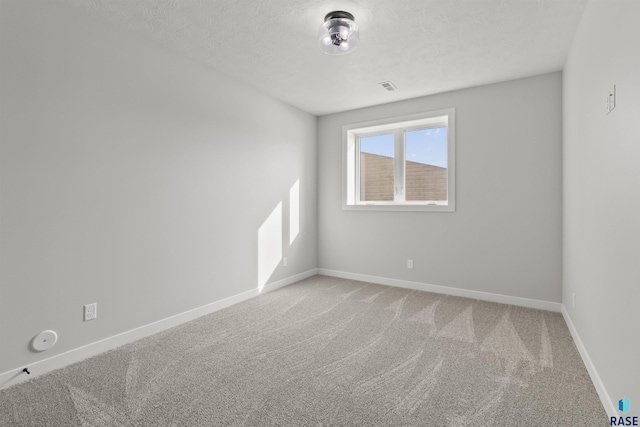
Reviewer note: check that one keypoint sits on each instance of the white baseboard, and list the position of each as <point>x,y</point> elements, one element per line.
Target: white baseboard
<point>484,296</point>
<point>16,376</point>
<point>609,405</point>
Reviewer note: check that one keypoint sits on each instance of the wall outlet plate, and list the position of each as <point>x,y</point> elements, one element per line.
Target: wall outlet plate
<point>90,311</point>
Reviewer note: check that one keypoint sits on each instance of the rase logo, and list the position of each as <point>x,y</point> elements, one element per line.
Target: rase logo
<point>623,406</point>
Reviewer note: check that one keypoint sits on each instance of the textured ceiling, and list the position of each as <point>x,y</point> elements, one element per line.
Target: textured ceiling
<point>423,46</point>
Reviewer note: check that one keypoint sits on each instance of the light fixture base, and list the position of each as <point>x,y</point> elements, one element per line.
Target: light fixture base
<point>338,14</point>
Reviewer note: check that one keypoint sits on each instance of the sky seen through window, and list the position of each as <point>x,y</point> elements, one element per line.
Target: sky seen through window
<point>427,146</point>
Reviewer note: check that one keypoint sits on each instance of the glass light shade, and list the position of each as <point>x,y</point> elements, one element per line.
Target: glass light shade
<point>338,35</point>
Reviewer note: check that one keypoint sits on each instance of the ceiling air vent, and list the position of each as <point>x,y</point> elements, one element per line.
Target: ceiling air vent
<point>388,86</point>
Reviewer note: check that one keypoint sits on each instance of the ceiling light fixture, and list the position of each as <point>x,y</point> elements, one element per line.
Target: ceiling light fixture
<point>338,34</point>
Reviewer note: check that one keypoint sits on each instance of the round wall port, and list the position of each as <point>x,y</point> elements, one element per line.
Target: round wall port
<point>44,340</point>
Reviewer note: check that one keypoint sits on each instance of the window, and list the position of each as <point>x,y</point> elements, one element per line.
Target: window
<point>404,163</point>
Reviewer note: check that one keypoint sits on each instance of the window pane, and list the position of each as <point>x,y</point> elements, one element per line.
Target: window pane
<point>426,164</point>
<point>376,168</point>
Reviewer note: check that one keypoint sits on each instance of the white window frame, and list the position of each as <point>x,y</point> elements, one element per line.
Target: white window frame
<point>351,135</point>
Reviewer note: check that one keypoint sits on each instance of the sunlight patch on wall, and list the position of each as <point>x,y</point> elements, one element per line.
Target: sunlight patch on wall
<point>294,211</point>
<point>269,246</point>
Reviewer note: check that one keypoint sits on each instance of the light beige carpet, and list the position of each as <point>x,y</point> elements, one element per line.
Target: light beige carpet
<point>329,351</point>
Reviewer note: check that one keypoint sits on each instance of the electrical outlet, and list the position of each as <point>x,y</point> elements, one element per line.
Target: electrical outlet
<point>409,263</point>
<point>284,262</point>
<point>90,311</point>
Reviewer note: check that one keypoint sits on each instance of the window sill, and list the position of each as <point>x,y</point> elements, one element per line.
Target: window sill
<point>407,207</point>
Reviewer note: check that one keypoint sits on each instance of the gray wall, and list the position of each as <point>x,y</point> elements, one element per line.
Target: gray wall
<point>134,178</point>
<point>506,235</point>
<point>602,194</point>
